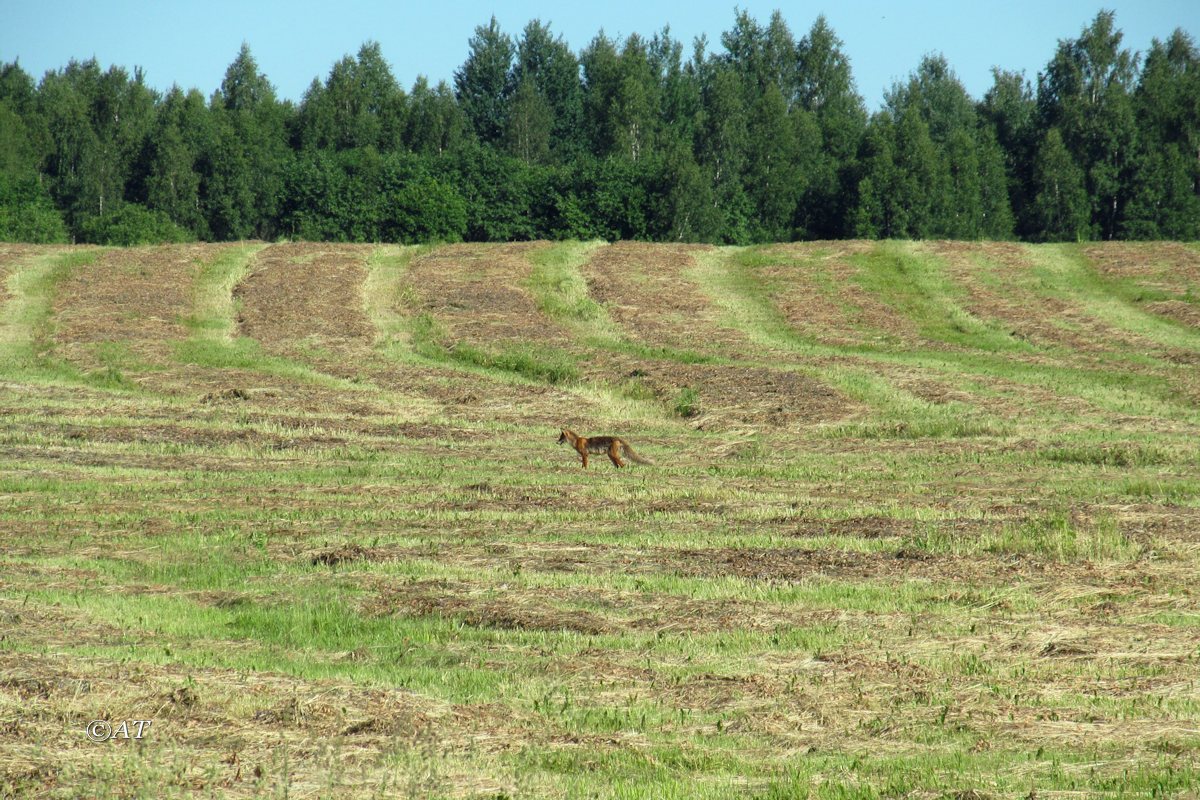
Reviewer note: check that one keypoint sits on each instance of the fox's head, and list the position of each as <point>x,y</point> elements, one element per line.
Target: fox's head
<point>562,437</point>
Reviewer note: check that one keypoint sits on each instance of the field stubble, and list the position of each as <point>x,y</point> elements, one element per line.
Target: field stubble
<point>925,520</point>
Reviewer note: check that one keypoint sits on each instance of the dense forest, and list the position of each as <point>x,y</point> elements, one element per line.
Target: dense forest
<point>765,140</point>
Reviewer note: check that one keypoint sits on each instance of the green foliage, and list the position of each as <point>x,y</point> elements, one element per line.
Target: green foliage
<point>527,132</point>
<point>902,180</point>
<point>482,83</point>
<point>687,403</point>
<point>1008,113</point>
<point>133,224</point>
<point>500,193</point>
<point>36,223</point>
<point>434,123</point>
<point>425,210</point>
<point>1085,94</point>
<point>359,105</point>
<point>550,66</point>
<point>27,214</point>
<point>248,155</point>
<point>537,363</point>
<point>169,180</point>
<point>561,290</point>
<point>1115,455</point>
<point>362,196</point>
<point>765,139</point>
<point>1059,211</point>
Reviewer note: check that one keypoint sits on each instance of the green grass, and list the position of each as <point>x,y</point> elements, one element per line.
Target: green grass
<point>532,362</point>
<point>1054,536</point>
<point>535,362</point>
<point>1116,454</point>
<point>213,339</point>
<point>213,306</point>
<point>687,403</point>
<point>1065,273</point>
<point>914,283</point>
<point>562,292</point>
<point>385,296</point>
<point>727,276</point>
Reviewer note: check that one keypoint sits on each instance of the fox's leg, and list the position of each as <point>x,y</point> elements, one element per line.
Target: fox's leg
<point>614,451</point>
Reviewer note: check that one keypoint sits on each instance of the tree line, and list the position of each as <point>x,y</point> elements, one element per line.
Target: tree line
<point>766,139</point>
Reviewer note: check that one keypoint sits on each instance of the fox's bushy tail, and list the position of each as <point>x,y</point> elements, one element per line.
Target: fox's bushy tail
<point>632,456</point>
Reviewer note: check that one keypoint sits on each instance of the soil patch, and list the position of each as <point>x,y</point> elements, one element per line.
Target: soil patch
<point>135,298</point>
<point>301,299</point>
<point>733,396</point>
<point>304,302</point>
<point>646,290</point>
<point>263,716</point>
<point>478,293</point>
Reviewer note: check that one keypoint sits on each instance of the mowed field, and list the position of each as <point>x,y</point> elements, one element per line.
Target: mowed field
<point>924,520</point>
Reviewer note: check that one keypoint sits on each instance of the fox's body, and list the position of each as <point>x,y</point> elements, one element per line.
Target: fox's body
<point>612,446</point>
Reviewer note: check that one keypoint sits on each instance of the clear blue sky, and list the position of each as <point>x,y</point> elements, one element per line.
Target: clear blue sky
<point>192,43</point>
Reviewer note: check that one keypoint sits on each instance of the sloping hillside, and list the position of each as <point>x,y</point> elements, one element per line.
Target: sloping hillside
<point>924,517</point>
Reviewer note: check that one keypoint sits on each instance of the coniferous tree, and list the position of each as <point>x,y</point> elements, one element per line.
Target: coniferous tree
<point>723,139</point>
<point>688,212</point>
<point>553,70</point>
<point>248,157</point>
<point>63,109</point>
<point>997,220</point>
<point>872,214</point>
<point>920,179</point>
<point>959,214</point>
<point>764,139</point>
<point>600,64</point>
<point>774,180</point>
<point>23,139</point>
<point>1060,202</point>
<point>935,94</point>
<point>360,105</point>
<point>825,88</point>
<point>27,212</point>
<point>1165,201</point>
<point>1010,112</point>
<point>17,157</point>
<point>96,123</point>
<point>482,85</point>
<point>634,105</point>
<point>679,93</point>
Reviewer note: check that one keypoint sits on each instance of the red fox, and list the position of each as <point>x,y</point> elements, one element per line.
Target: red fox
<point>612,445</point>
